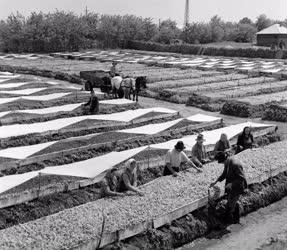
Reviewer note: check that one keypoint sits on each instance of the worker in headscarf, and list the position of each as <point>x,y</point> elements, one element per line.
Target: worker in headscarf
<point>174,158</point>
<point>235,185</point>
<point>128,181</point>
<point>222,145</point>
<point>245,140</point>
<point>109,185</point>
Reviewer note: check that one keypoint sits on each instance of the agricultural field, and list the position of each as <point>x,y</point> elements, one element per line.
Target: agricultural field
<point>204,82</point>
<point>53,154</point>
<point>127,212</point>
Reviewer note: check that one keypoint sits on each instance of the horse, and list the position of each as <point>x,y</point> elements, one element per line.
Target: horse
<point>116,83</point>
<point>133,85</point>
<point>106,86</point>
<point>120,87</point>
<point>139,83</point>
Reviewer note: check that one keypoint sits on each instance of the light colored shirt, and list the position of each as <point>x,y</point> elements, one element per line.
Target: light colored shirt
<point>175,158</point>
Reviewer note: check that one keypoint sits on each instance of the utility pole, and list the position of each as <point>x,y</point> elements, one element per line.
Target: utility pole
<point>186,13</point>
<point>86,10</point>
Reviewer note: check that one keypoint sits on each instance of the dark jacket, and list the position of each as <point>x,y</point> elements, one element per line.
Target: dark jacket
<point>245,142</point>
<point>94,104</point>
<point>220,146</point>
<point>233,174</point>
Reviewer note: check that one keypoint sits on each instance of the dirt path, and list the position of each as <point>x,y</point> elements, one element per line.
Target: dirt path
<point>264,229</point>
<point>188,111</point>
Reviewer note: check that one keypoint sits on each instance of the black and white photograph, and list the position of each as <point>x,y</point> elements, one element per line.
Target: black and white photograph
<point>143,125</point>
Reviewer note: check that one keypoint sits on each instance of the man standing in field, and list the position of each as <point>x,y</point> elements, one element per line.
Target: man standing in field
<point>174,158</point>
<point>235,185</point>
<point>113,70</point>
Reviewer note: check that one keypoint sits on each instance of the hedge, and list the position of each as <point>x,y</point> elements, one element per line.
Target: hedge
<point>209,51</point>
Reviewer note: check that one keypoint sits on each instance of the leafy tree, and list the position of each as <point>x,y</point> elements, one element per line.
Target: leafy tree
<point>217,27</point>
<point>262,22</point>
<point>246,20</point>
<point>245,33</point>
<point>167,31</point>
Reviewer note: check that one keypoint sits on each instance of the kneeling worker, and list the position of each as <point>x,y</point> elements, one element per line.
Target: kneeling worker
<point>93,102</point>
<point>235,185</point>
<point>115,184</point>
<point>198,152</point>
<point>174,158</point>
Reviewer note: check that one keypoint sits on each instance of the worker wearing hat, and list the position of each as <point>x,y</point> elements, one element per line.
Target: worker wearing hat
<point>174,158</point>
<point>198,151</point>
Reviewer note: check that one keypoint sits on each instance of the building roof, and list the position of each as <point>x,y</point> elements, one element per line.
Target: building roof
<point>274,29</point>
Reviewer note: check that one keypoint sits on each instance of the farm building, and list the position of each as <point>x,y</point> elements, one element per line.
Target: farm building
<point>274,36</point>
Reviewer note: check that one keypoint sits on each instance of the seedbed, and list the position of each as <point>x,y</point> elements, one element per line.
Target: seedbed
<point>28,118</point>
<point>82,148</point>
<point>261,99</point>
<point>130,215</point>
<point>253,90</point>
<point>225,86</point>
<point>85,127</point>
<point>192,82</point>
<point>21,104</point>
<point>102,138</point>
<point>200,222</point>
<point>42,181</point>
<point>275,112</point>
<point>243,109</point>
<point>59,201</point>
<point>29,85</point>
<point>16,80</point>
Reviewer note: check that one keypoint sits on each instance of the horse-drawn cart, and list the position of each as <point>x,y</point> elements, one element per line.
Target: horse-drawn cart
<point>95,78</point>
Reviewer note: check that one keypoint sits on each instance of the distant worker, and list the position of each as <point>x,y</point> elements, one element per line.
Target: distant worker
<point>93,102</point>
<point>198,152</point>
<point>222,145</point>
<point>113,69</point>
<point>174,158</point>
<point>245,140</point>
<point>235,185</point>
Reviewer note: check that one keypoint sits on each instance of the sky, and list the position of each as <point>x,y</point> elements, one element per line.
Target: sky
<point>200,10</point>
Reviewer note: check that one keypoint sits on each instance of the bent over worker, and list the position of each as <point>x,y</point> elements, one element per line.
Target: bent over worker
<point>115,183</point>
<point>174,158</point>
<point>128,181</point>
<point>235,185</point>
<point>109,185</point>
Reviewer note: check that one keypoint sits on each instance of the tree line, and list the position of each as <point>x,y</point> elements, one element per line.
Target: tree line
<point>66,31</point>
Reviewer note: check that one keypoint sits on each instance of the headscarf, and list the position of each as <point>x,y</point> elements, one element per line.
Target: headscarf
<point>129,163</point>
